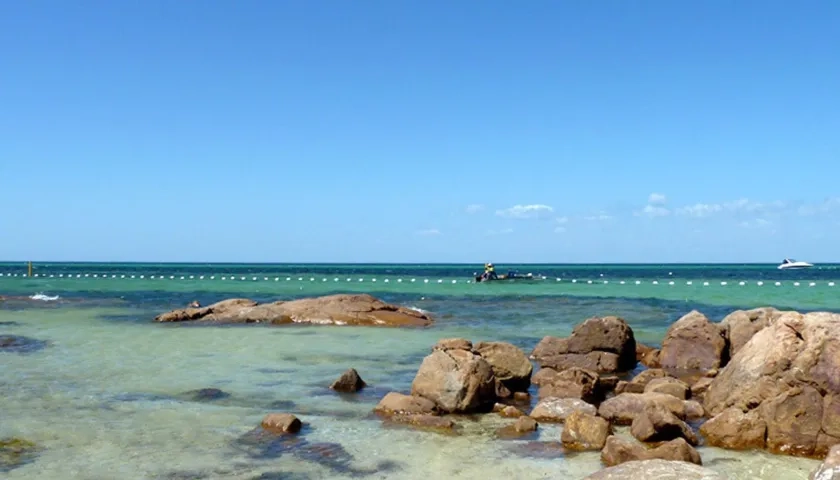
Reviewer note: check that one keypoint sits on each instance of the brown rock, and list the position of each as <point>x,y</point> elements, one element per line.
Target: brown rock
<point>735,430</point>
<point>510,365</point>
<point>623,408</point>
<point>522,426</point>
<point>651,359</point>
<point>657,424</point>
<point>511,412</point>
<point>429,422</point>
<point>362,310</point>
<point>349,382</point>
<point>789,372</point>
<point>693,343</point>
<point>544,376</point>
<point>620,450</point>
<point>574,383</point>
<point>694,410</point>
<point>793,421</point>
<point>600,344</point>
<point>597,361</point>
<point>656,470</point>
<point>400,404</point>
<point>282,423</point>
<point>670,386</point>
<point>640,381</point>
<point>456,380</point>
<point>584,431</point>
<point>642,350</point>
<point>521,397</point>
<point>830,468</point>
<point>453,344</point>
<point>558,409</point>
<point>741,325</point>
<point>550,346</point>
<point>698,390</point>
<point>525,424</point>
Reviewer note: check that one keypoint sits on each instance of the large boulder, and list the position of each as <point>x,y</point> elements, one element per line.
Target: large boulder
<point>788,376</point>
<point>600,344</point>
<point>457,381</point>
<point>693,343</point>
<point>656,470</point>
<point>741,325</point>
<point>342,309</point>
<point>510,365</point>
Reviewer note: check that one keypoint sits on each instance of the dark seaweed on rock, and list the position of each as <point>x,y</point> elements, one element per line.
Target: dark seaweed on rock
<point>19,344</point>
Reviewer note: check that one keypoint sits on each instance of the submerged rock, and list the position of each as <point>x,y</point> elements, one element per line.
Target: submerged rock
<point>342,309</point>
<point>348,382</point>
<point>205,395</point>
<point>522,427</point>
<point>19,344</point>
<point>16,452</point>
<point>656,469</point>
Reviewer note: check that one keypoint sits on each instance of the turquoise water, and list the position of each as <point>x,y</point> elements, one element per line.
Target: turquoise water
<point>106,396</point>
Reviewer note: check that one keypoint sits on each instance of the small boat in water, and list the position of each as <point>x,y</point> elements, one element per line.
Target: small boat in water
<point>508,277</point>
<point>790,263</point>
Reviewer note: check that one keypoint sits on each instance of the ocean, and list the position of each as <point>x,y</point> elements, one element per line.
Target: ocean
<point>106,393</point>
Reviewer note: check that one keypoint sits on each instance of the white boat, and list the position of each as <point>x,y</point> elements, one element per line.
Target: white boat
<point>790,263</point>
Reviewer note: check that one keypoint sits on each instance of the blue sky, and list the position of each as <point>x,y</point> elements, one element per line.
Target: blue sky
<point>629,131</point>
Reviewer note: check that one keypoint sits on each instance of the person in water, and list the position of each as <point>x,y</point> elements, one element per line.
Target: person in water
<point>490,272</point>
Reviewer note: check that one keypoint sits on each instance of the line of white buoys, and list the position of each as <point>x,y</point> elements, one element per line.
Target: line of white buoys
<point>705,283</point>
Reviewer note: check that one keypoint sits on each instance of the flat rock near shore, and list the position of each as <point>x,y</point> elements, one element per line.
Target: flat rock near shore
<point>341,309</point>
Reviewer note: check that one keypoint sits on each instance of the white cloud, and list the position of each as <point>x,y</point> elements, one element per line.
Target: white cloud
<point>474,208</point>
<point>562,220</point>
<point>656,199</point>
<point>560,229</point>
<point>756,223</point>
<point>655,211</point>
<point>741,205</point>
<point>825,206</point>
<point>525,211</point>
<point>504,231</point>
<point>429,232</point>
<point>602,217</point>
<point>700,209</point>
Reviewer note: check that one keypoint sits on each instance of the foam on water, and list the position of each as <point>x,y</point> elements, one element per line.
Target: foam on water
<point>44,298</point>
<point>110,396</point>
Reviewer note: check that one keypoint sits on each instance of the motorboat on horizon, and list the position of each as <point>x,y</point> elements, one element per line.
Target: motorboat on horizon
<point>790,263</point>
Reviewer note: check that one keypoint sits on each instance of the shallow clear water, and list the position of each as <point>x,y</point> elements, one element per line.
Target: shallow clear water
<point>106,396</point>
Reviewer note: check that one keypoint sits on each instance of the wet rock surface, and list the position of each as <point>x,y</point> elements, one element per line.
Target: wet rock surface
<point>341,309</point>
